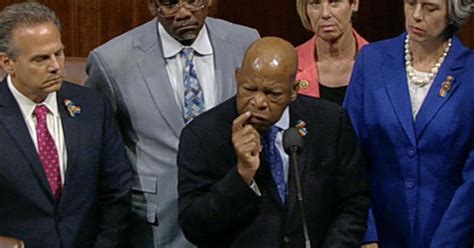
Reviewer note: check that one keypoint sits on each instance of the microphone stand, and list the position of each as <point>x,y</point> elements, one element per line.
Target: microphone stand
<point>294,159</point>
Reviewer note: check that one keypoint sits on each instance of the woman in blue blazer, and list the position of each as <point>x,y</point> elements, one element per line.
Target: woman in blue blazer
<point>411,101</point>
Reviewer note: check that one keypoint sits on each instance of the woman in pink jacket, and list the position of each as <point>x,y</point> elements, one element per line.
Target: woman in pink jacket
<point>326,60</point>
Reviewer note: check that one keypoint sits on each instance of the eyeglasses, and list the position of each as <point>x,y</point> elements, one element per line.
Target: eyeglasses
<point>167,8</point>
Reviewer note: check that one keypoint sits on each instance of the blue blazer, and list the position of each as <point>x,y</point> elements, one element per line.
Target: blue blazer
<point>422,171</point>
<point>95,200</point>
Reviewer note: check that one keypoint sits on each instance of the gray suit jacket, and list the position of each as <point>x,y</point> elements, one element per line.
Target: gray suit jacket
<point>130,70</point>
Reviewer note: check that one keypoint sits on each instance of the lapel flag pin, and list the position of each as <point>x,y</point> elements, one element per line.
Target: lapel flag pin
<point>73,109</point>
<point>445,86</point>
<point>301,125</point>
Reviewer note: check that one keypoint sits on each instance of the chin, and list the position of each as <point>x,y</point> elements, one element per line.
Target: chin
<point>54,87</point>
<point>261,129</point>
<point>187,38</point>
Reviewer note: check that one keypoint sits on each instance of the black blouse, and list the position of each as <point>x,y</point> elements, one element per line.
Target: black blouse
<point>335,94</point>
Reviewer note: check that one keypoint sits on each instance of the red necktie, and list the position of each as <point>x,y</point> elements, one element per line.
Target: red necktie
<point>47,151</point>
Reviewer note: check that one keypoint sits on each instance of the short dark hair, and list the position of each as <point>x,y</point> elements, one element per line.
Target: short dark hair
<point>22,15</point>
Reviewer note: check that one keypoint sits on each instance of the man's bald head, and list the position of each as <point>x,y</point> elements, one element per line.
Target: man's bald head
<point>266,81</point>
<point>271,55</point>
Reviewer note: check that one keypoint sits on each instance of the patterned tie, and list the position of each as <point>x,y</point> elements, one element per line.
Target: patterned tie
<point>47,151</point>
<point>272,155</point>
<point>193,95</point>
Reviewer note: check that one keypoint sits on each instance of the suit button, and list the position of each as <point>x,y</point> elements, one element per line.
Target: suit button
<point>409,183</point>
<point>411,153</point>
<point>286,239</point>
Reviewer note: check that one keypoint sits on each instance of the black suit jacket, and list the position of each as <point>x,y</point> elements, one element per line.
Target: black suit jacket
<point>218,209</point>
<point>95,198</point>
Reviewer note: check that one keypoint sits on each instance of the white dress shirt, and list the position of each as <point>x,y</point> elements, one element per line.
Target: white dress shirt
<point>53,120</point>
<point>203,62</point>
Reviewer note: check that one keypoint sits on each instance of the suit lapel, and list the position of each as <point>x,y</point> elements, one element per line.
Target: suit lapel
<point>13,121</point>
<point>224,69</point>
<point>397,89</point>
<point>433,102</point>
<point>71,131</point>
<point>153,68</point>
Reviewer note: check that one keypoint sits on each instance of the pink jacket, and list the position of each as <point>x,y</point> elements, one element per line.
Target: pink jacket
<point>307,69</point>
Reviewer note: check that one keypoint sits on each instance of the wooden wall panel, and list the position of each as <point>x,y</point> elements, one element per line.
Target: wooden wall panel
<point>270,17</point>
<point>467,32</point>
<point>89,23</point>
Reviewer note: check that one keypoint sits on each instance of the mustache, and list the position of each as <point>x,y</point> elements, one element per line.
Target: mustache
<point>185,23</point>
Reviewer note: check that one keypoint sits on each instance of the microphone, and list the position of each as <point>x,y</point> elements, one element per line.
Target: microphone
<point>293,145</point>
<point>292,141</point>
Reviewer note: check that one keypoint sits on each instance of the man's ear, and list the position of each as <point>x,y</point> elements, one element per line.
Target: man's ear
<point>296,86</point>
<point>294,91</point>
<point>294,95</point>
<point>237,75</point>
<point>355,6</point>
<point>6,63</point>
<point>152,7</point>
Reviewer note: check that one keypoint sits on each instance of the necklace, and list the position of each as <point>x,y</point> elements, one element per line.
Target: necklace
<point>422,79</point>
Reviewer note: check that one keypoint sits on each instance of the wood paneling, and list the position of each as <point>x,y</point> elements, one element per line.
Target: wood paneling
<point>89,23</point>
<point>270,17</point>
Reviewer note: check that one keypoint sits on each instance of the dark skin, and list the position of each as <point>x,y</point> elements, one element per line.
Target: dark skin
<point>184,25</point>
<point>265,87</point>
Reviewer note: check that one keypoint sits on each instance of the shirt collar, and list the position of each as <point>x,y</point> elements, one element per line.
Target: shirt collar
<point>284,122</point>
<point>28,106</point>
<point>171,47</point>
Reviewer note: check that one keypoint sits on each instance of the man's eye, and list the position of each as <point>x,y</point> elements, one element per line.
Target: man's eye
<point>274,95</point>
<point>39,59</point>
<point>250,89</point>
<point>167,2</point>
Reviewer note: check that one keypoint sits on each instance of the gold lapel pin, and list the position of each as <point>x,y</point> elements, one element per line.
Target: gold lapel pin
<point>302,84</point>
<point>445,86</point>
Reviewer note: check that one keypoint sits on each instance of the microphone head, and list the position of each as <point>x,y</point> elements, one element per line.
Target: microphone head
<point>292,141</point>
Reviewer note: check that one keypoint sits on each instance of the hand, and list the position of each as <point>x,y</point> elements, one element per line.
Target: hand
<point>246,141</point>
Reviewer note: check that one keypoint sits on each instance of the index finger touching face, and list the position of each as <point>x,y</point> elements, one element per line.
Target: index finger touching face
<point>240,121</point>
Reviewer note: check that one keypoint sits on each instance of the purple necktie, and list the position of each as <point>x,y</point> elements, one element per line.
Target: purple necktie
<point>47,151</point>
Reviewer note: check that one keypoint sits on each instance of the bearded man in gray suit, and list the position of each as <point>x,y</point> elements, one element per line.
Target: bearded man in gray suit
<point>155,88</point>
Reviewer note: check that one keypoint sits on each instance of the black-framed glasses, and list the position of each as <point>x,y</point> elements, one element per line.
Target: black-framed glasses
<point>169,8</point>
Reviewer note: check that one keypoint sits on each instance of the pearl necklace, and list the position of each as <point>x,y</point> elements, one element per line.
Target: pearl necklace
<point>417,78</point>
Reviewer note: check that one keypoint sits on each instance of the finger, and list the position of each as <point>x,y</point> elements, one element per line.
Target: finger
<point>240,121</point>
<point>248,130</point>
<point>256,134</point>
<point>242,140</point>
<point>250,148</point>
<point>245,135</point>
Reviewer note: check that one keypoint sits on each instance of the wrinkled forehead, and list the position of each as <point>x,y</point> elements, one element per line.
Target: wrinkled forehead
<point>266,77</point>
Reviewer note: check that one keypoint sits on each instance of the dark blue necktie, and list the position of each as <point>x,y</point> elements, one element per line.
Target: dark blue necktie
<point>193,95</point>
<point>273,157</point>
